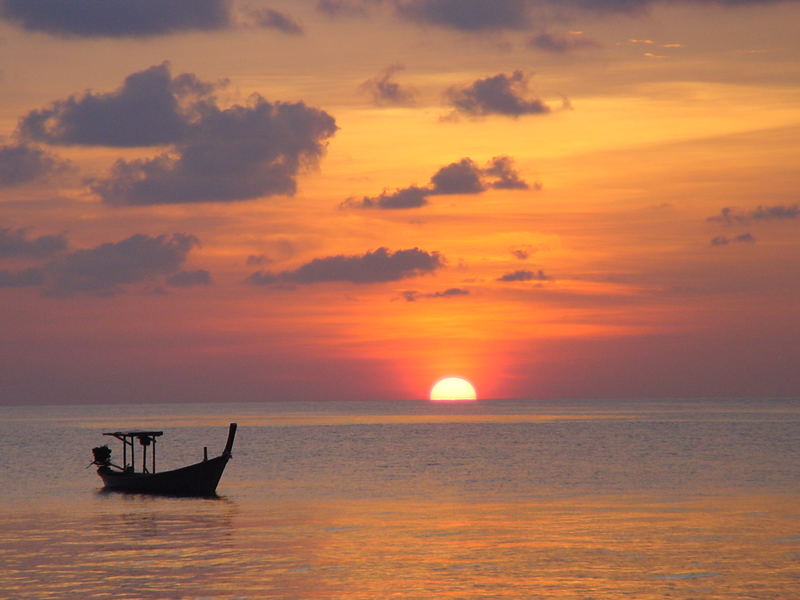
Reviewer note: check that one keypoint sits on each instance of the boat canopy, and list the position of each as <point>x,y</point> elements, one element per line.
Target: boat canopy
<point>118,434</point>
<point>146,438</point>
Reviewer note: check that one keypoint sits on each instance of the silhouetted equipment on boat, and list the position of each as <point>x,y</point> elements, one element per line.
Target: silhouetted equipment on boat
<point>199,479</point>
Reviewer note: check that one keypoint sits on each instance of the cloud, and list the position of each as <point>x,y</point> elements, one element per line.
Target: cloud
<point>524,275</point>
<point>238,153</point>
<point>190,278</point>
<point>16,243</point>
<point>413,295</point>
<point>343,8</point>
<point>481,17</point>
<point>460,177</point>
<point>410,197</point>
<point>386,92</point>
<point>117,18</point>
<point>768,213</point>
<point>272,19</point>
<point>523,252</point>
<point>727,216</point>
<point>497,95</point>
<point>23,163</point>
<point>26,278</point>
<point>216,155</point>
<point>377,266</point>
<point>638,6</point>
<point>105,269</point>
<point>561,44</point>
<point>467,15</point>
<point>150,108</point>
<point>744,238</point>
<point>501,168</point>
<point>258,260</point>
<point>780,212</point>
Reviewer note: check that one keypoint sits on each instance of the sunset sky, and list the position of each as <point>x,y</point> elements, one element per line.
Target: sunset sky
<point>297,199</point>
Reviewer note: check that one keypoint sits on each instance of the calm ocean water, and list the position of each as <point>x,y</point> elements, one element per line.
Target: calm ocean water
<point>496,499</point>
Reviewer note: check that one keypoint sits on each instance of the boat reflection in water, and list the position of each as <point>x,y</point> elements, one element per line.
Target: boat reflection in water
<point>199,479</point>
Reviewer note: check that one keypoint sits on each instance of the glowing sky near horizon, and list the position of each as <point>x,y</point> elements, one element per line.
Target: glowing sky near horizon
<point>272,200</point>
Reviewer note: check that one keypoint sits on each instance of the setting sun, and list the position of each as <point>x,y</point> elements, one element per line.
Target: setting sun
<point>453,388</point>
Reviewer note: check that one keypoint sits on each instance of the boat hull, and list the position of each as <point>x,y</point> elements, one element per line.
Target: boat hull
<point>200,479</point>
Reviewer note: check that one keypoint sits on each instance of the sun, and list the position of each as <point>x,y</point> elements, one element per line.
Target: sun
<point>453,388</point>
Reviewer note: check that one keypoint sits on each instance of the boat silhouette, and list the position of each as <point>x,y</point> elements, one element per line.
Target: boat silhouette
<point>199,479</point>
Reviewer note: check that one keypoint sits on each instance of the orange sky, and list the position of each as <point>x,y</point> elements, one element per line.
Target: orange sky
<point>639,240</point>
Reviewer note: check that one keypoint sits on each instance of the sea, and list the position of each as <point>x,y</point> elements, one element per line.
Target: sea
<point>525,499</point>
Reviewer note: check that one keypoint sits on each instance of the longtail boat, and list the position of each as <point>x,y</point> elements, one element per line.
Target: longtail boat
<point>199,479</point>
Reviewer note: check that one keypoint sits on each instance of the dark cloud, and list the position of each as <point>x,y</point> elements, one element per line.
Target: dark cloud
<point>501,168</point>
<point>258,260</point>
<point>491,16</point>
<point>190,278</point>
<point>727,216</point>
<point>386,92</point>
<point>722,240</point>
<point>103,270</point>
<point>272,19</point>
<point>16,243</point>
<point>116,18</point>
<point>460,177</point>
<point>524,275</point>
<point>216,154</point>
<point>467,15</point>
<point>344,8</point>
<point>26,278</point>
<point>377,266</point>
<point>521,253</point>
<point>767,213</point>
<point>730,216</point>
<point>410,197</point>
<point>497,95</point>
<point>638,6</point>
<point>23,163</point>
<point>561,44</point>
<point>238,153</point>
<point>413,295</point>
<point>150,108</point>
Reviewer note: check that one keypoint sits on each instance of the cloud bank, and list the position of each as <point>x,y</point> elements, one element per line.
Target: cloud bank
<point>117,18</point>
<point>466,15</point>
<point>479,17</point>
